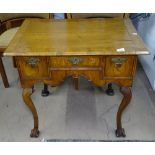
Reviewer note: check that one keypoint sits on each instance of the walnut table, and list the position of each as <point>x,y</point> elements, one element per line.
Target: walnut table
<point>102,50</point>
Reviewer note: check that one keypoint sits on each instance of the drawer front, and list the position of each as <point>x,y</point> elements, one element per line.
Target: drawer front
<point>119,66</point>
<point>32,67</point>
<point>73,61</point>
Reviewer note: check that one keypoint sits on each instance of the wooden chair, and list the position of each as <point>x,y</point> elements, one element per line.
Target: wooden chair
<point>109,90</point>
<point>95,15</point>
<point>9,25</point>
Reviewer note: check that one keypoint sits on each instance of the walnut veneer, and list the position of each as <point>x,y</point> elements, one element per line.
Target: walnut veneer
<point>102,50</point>
<point>8,23</point>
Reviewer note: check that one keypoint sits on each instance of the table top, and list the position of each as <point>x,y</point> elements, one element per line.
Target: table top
<point>43,37</point>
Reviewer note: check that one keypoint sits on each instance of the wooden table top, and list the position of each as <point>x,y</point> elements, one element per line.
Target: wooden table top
<point>42,37</point>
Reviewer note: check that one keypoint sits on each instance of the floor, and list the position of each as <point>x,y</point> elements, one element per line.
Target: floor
<point>67,114</point>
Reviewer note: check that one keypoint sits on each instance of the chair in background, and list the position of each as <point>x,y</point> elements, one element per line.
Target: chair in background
<point>109,90</point>
<point>9,25</point>
<point>95,15</point>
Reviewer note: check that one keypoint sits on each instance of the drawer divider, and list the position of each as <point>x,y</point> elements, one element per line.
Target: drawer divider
<point>75,68</point>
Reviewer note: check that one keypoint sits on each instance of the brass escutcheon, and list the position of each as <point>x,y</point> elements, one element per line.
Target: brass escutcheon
<point>75,60</point>
<point>119,60</point>
<point>32,61</point>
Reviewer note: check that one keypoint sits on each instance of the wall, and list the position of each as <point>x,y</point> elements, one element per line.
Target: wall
<point>145,25</point>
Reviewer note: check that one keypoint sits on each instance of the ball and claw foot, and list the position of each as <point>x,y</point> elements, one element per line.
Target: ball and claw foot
<point>120,132</point>
<point>45,93</point>
<point>34,133</point>
<point>110,90</point>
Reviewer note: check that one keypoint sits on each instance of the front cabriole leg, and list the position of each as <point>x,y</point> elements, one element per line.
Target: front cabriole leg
<point>126,91</point>
<point>28,101</point>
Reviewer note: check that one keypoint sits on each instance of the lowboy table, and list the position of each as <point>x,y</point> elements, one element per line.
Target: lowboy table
<point>102,50</point>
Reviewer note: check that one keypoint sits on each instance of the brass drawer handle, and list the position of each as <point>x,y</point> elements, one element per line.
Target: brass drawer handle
<point>75,60</point>
<point>119,61</point>
<point>32,61</point>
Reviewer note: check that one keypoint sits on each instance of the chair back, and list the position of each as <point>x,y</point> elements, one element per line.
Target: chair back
<point>95,15</point>
<point>11,20</point>
<point>10,16</point>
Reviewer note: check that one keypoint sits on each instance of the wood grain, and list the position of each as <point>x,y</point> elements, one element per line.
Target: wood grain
<point>11,20</point>
<point>122,70</point>
<point>48,51</point>
<point>127,95</point>
<point>27,71</point>
<point>52,70</point>
<point>40,37</point>
<point>28,101</point>
<point>63,61</point>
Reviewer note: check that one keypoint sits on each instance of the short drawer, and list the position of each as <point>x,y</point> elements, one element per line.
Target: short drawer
<point>73,61</point>
<point>119,66</point>
<point>32,67</point>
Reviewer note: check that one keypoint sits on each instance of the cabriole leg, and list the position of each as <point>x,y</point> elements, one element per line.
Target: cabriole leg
<point>126,91</point>
<point>28,101</point>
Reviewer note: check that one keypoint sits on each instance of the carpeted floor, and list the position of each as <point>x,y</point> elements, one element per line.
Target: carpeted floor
<point>70,115</point>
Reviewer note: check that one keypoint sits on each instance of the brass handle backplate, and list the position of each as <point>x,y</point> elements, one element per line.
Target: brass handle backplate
<point>32,61</point>
<point>75,60</point>
<point>119,60</point>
